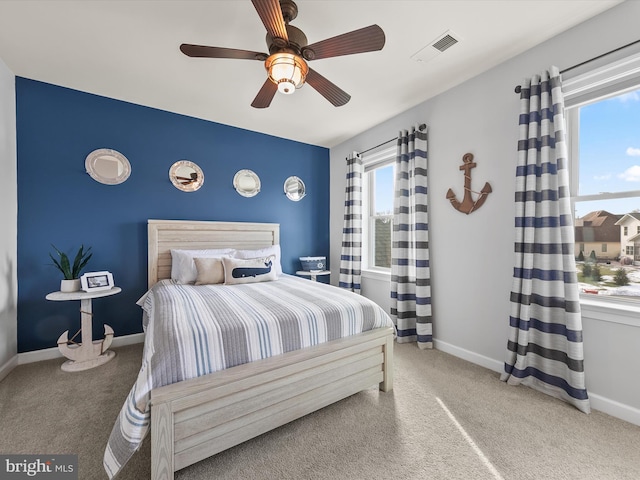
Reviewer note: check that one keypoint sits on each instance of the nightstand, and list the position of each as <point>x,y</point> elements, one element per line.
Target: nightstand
<point>312,275</point>
<point>89,353</point>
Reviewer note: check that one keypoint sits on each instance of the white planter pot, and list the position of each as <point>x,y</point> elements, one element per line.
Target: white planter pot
<point>68,286</point>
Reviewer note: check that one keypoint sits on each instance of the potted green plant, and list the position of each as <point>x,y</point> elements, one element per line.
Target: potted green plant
<point>71,272</point>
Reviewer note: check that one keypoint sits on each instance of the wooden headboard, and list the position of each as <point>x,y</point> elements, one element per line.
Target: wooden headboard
<point>163,235</point>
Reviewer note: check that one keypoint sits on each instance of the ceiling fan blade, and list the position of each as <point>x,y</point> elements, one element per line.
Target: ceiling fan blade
<point>327,89</point>
<point>271,15</point>
<point>220,52</point>
<point>367,39</point>
<point>265,95</point>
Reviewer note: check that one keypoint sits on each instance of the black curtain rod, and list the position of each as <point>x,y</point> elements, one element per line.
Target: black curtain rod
<point>421,128</point>
<point>519,87</point>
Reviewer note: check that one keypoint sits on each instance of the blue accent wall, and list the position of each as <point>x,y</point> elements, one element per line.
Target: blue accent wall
<point>60,204</point>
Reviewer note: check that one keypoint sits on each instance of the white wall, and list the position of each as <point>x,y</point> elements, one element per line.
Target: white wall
<point>8,222</point>
<point>472,255</point>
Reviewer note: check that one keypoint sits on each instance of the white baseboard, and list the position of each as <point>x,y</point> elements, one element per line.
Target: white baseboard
<point>51,353</point>
<point>598,402</point>
<point>469,356</point>
<point>8,366</point>
<point>615,409</point>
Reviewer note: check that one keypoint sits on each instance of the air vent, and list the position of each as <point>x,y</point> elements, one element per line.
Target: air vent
<point>436,47</point>
<point>444,43</point>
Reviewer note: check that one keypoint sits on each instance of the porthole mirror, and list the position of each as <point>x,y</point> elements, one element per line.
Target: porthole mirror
<point>186,176</point>
<point>107,166</point>
<point>246,183</point>
<point>294,188</point>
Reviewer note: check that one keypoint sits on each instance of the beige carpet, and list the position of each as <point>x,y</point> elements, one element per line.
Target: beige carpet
<point>494,431</point>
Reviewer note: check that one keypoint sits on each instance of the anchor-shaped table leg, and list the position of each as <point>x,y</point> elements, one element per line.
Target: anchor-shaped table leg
<point>89,353</point>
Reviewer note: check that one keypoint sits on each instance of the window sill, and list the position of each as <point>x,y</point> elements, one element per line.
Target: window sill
<point>377,275</point>
<point>609,310</point>
<point>615,311</point>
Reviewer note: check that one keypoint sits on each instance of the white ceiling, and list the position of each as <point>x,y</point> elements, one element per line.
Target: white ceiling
<point>128,50</point>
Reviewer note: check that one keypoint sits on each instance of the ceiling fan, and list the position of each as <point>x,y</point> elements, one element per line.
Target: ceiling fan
<point>289,53</point>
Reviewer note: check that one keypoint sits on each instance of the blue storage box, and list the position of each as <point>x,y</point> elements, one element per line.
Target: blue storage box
<point>313,264</point>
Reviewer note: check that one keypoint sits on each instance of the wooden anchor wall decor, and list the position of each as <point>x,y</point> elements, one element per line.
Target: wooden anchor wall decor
<point>468,205</point>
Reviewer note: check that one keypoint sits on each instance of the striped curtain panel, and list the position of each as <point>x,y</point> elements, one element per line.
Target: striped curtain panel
<point>410,274</point>
<point>351,253</point>
<point>545,337</point>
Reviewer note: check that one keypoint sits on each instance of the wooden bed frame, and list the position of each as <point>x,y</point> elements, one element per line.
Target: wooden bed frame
<point>194,419</point>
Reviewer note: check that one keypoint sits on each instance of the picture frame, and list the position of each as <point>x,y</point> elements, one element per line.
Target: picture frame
<point>96,281</point>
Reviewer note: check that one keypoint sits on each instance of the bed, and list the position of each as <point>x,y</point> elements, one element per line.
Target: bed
<point>198,417</point>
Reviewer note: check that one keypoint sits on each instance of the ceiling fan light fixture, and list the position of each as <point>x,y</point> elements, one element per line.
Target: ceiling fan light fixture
<point>287,70</point>
<point>286,86</point>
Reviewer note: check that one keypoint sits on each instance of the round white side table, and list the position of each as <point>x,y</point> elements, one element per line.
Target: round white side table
<point>89,353</point>
<point>312,275</point>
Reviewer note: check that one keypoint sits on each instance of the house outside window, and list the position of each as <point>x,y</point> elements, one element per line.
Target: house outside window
<point>598,235</point>
<point>603,120</point>
<point>378,193</point>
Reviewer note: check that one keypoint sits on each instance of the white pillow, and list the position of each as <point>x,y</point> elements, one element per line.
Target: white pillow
<point>251,270</point>
<point>262,252</point>
<point>183,269</point>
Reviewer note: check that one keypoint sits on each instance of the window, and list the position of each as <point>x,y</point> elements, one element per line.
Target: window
<point>378,207</point>
<point>603,118</point>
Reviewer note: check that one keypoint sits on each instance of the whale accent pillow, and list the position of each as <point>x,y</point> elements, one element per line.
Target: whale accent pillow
<point>262,252</point>
<point>250,270</point>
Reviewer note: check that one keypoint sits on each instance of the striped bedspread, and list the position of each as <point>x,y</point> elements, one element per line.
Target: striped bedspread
<point>196,330</point>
